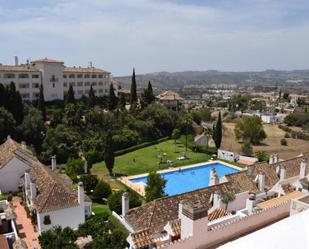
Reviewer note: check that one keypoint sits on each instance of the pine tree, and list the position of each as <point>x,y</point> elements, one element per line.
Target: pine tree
<point>112,99</point>
<point>217,132</point>
<point>133,97</point>
<point>70,99</point>
<point>41,103</point>
<point>91,98</point>
<point>109,156</point>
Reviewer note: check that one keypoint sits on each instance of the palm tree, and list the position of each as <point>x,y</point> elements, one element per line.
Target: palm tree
<point>227,198</point>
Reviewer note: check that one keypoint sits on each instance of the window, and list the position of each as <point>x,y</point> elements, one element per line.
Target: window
<point>72,84</point>
<point>36,95</point>
<point>100,75</point>
<point>35,76</point>
<point>100,90</point>
<point>9,75</point>
<point>65,84</point>
<point>79,76</point>
<point>100,83</point>
<point>87,83</point>
<point>35,85</point>
<point>71,76</point>
<point>24,85</point>
<point>25,95</point>
<point>93,76</point>
<point>79,83</point>
<point>94,83</point>
<point>23,76</point>
<point>47,220</point>
<point>80,92</point>
<point>64,76</point>
<point>87,76</point>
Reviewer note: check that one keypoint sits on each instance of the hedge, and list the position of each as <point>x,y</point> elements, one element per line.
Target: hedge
<point>295,134</point>
<point>140,146</point>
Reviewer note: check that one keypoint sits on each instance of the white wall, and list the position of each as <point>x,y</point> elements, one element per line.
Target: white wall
<point>69,217</point>
<point>10,175</point>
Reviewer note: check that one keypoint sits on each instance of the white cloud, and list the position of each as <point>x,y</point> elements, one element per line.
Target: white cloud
<point>159,35</point>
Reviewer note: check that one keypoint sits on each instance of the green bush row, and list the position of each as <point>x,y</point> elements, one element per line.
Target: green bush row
<point>140,146</point>
<point>295,134</point>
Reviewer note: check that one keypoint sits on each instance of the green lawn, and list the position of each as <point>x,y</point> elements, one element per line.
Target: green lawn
<point>147,159</point>
<point>100,209</point>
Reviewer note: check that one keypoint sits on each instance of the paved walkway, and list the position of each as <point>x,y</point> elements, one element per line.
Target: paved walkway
<point>24,226</point>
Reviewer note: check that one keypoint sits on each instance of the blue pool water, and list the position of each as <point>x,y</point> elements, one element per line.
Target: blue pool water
<point>189,179</point>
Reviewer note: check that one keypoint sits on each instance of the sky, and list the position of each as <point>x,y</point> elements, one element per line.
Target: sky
<point>158,35</point>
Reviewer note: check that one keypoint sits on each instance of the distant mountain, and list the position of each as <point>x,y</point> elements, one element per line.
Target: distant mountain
<point>164,80</point>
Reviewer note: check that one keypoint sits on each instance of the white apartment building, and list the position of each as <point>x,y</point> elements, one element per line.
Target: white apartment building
<point>56,79</point>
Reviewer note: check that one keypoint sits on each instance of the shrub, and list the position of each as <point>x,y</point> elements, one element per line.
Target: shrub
<point>262,156</point>
<point>89,181</point>
<point>102,190</point>
<point>287,135</point>
<point>284,142</point>
<point>10,197</point>
<point>73,168</point>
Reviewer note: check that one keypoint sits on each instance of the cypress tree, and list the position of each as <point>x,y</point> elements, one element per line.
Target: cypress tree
<point>91,98</point>
<point>41,103</point>
<point>70,99</point>
<point>3,97</point>
<point>133,97</point>
<point>150,96</point>
<point>112,99</point>
<point>217,132</point>
<point>109,156</point>
<point>15,104</point>
<point>122,101</point>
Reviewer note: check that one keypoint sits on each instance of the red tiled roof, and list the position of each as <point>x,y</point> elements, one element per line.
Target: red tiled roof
<point>217,213</point>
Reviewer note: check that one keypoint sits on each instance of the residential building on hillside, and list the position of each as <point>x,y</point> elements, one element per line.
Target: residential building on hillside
<point>170,99</point>
<point>197,219</point>
<point>56,79</point>
<point>51,201</point>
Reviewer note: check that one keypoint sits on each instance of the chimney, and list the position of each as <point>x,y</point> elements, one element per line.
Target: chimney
<point>276,158</point>
<point>23,145</point>
<point>16,60</point>
<point>80,193</point>
<point>27,180</point>
<point>216,200</point>
<point>33,192</point>
<point>125,203</point>
<point>250,203</point>
<point>194,219</point>
<point>53,163</point>
<point>90,63</point>
<point>213,179</point>
<point>303,168</point>
<point>282,173</point>
<point>261,181</point>
<point>271,159</point>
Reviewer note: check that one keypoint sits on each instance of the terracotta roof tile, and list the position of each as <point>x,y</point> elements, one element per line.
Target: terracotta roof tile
<point>47,60</point>
<point>83,70</point>
<point>142,238</point>
<point>53,194</point>
<point>3,242</point>
<point>169,95</point>
<point>21,68</point>
<point>217,213</point>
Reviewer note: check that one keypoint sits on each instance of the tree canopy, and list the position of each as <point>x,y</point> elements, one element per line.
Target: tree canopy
<point>155,186</point>
<point>250,128</point>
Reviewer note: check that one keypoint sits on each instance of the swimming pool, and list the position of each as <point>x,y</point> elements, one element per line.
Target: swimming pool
<point>189,179</point>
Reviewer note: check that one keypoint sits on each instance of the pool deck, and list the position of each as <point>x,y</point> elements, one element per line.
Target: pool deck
<point>140,187</point>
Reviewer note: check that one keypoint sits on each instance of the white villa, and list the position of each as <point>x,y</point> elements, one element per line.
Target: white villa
<point>199,219</point>
<point>49,198</point>
<point>56,79</point>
